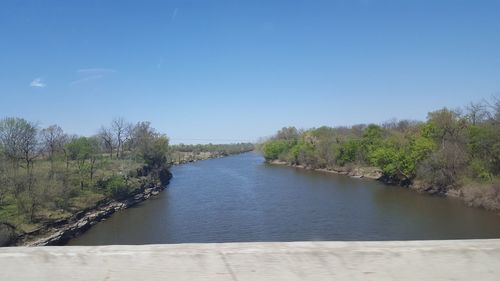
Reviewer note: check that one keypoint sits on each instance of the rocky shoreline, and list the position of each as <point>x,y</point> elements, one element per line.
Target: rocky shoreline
<point>356,172</point>
<point>374,173</point>
<point>194,157</point>
<point>60,232</point>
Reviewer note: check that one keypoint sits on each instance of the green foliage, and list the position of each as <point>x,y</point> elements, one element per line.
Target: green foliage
<point>484,143</point>
<point>348,151</point>
<point>116,187</point>
<point>84,152</point>
<point>439,152</point>
<point>446,126</point>
<point>387,158</point>
<point>373,134</point>
<point>305,153</point>
<point>480,170</point>
<point>222,149</point>
<point>274,148</point>
<point>420,148</point>
<point>155,154</point>
<point>46,175</point>
<point>82,148</point>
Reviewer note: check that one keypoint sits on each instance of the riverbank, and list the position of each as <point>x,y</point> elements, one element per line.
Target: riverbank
<point>355,172</point>
<point>241,199</point>
<point>191,157</point>
<point>471,195</point>
<point>59,232</point>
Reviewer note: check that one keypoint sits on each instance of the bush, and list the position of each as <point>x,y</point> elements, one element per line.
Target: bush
<point>116,187</point>
<point>444,168</point>
<point>479,170</point>
<point>7,234</point>
<point>348,152</point>
<point>273,149</point>
<point>481,195</point>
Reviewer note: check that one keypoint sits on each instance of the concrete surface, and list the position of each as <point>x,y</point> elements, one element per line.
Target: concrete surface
<point>417,260</point>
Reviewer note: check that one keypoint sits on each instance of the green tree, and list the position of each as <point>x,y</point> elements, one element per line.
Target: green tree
<point>274,148</point>
<point>484,146</point>
<point>348,151</point>
<point>155,154</point>
<point>372,139</point>
<point>446,126</point>
<point>83,151</point>
<point>53,139</point>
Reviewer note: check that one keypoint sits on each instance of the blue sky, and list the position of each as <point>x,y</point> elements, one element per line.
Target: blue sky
<point>239,70</point>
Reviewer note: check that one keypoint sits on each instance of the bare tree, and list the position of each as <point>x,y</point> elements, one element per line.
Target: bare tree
<point>53,138</point>
<point>289,134</point>
<point>106,136</point>
<point>19,140</point>
<point>121,130</point>
<point>476,112</point>
<point>495,106</point>
<point>391,124</point>
<point>66,151</point>
<point>448,126</point>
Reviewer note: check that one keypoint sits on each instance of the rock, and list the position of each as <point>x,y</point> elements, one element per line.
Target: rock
<point>82,223</point>
<point>119,206</point>
<point>453,193</point>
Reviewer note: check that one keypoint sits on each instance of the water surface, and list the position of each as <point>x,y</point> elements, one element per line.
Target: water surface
<point>242,199</point>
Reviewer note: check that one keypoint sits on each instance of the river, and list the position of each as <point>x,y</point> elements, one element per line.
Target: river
<point>242,199</point>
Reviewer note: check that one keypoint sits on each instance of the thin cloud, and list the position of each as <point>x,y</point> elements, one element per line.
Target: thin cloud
<point>86,79</point>
<point>91,74</point>
<point>38,83</point>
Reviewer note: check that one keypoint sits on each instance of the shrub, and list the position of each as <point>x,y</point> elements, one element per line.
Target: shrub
<point>481,195</point>
<point>117,187</point>
<point>273,149</point>
<point>479,170</point>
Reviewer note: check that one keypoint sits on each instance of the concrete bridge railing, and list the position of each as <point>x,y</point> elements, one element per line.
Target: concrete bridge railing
<point>415,260</point>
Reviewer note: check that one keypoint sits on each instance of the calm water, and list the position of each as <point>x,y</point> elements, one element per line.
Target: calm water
<point>240,198</point>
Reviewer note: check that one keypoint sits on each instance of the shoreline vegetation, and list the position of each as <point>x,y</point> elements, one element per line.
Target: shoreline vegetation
<point>453,153</point>
<point>60,232</point>
<point>55,186</point>
<point>354,172</point>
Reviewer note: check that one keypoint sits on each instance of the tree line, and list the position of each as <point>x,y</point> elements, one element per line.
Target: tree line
<point>47,174</point>
<point>223,149</point>
<point>453,150</point>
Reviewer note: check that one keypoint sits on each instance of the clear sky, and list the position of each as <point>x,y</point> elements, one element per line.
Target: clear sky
<point>239,70</point>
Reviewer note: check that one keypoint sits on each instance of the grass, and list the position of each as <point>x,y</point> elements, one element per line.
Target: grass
<point>60,195</point>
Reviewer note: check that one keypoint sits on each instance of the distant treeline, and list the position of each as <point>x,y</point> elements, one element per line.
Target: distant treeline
<point>46,174</point>
<point>225,149</point>
<point>454,150</point>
